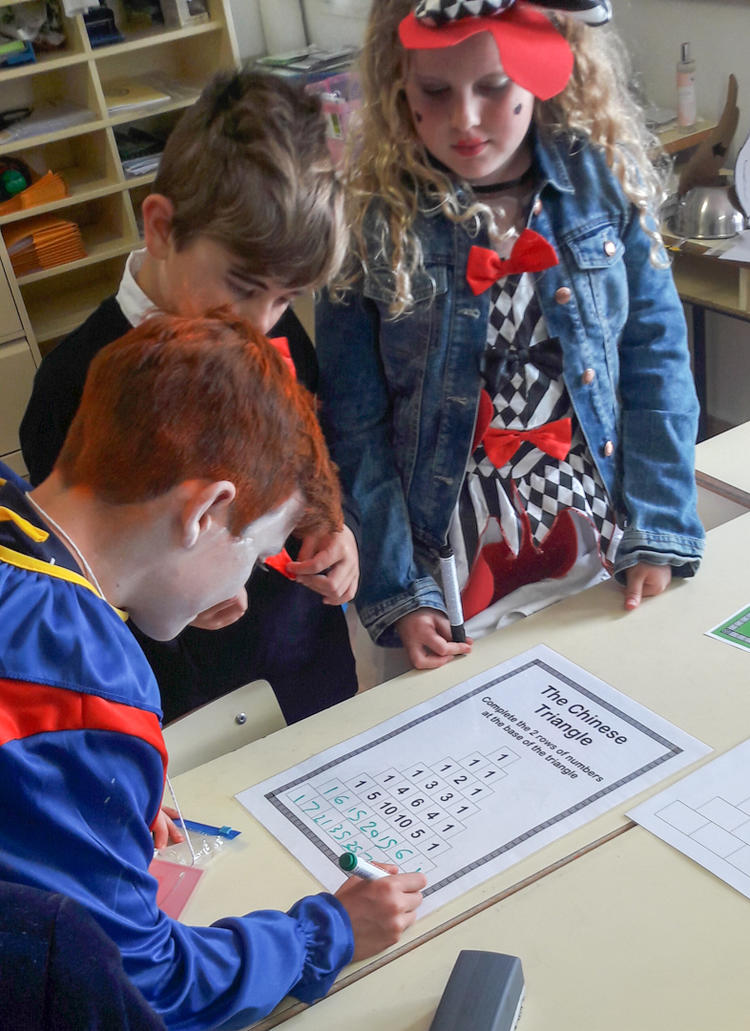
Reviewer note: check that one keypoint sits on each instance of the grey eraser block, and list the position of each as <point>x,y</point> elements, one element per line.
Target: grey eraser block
<point>484,993</point>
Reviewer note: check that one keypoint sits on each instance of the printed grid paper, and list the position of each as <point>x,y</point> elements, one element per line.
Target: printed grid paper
<point>735,630</point>
<point>706,816</point>
<point>470,782</point>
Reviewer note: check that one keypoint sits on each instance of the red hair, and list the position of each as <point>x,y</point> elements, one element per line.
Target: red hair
<point>200,398</point>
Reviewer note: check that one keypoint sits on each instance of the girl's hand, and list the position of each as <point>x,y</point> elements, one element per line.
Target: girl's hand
<point>645,581</point>
<point>380,911</point>
<point>329,565</point>
<point>426,635</point>
<point>165,830</point>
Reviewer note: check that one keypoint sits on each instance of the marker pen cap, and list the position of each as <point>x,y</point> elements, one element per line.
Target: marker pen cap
<point>360,867</point>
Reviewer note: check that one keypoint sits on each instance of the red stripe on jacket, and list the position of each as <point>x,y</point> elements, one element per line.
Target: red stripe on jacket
<point>27,709</point>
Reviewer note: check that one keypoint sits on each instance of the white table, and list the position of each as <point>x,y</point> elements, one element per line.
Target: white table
<point>658,655</point>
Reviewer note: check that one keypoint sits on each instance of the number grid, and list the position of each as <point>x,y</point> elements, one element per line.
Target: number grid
<point>376,835</point>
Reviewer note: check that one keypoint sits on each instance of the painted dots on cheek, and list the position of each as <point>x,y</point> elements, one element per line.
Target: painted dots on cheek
<point>518,109</point>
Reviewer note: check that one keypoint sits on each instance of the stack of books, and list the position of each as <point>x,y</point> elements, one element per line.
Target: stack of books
<point>42,242</point>
<point>310,63</point>
<point>140,150</point>
<point>128,94</point>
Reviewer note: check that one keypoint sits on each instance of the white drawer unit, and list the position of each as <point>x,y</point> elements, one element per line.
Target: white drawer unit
<point>10,320</point>
<point>17,370</point>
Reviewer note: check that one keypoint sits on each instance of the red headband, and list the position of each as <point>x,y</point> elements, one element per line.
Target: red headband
<point>532,51</point>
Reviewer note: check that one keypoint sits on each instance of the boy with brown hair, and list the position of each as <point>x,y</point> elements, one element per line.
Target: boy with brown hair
<point>193,453</point>
<point>246,211</point>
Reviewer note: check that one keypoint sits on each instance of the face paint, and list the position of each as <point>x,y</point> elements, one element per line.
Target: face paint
<point>268,532</point>
<point>212,570</point>
<point>466,110</point>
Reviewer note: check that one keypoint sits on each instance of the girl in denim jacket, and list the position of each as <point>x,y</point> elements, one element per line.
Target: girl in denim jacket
<point>506,368</point>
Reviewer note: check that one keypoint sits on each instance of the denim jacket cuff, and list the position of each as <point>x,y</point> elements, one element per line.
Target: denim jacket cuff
<point>379,618</point>
<point>683,554</point>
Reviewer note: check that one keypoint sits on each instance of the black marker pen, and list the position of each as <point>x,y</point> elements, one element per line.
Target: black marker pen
<point>452,594</point>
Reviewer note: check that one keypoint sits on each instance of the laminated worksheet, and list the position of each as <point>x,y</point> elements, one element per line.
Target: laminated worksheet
<point>475,779</point>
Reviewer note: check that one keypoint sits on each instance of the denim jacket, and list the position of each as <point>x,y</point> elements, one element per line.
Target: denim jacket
<point>399,397</point>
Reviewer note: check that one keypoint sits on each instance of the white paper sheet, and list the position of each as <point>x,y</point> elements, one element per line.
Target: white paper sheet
<point>706,815</point>
<point>740,249</point>
<point>468,783</point>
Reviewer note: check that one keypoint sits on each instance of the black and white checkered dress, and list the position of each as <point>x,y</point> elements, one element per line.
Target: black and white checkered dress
<point>523,378</point>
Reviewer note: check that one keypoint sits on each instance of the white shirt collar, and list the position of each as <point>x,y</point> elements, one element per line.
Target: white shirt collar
<point>134,304</point>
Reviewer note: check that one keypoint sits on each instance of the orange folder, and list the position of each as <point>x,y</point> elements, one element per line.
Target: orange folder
<point>42,242</point>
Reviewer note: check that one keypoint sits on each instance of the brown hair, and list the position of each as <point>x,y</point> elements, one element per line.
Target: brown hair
<point>208,398</point>
<point>247,166</point>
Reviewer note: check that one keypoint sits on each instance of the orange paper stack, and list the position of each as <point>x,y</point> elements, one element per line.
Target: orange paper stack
<point>47,188</point>
<point>42,242</point>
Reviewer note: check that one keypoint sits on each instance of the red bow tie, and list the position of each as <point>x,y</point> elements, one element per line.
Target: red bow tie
<point>554,439</point>
<point>531,253</point>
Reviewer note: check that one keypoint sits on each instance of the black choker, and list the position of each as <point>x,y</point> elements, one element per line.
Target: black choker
<point>507,184</point>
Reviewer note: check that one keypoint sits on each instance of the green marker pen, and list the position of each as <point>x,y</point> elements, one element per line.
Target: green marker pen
<point>351,864</point>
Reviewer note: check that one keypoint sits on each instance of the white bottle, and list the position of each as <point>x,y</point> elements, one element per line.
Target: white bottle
<point>686,103</point>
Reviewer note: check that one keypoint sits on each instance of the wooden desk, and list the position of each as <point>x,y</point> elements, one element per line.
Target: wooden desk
<point>658,655</point>
<point>631,936</point>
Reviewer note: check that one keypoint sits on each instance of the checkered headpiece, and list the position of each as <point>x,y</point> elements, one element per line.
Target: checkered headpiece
<point>437,12</point>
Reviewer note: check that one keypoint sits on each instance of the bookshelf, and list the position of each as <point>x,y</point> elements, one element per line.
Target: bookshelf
<point>38,308</point>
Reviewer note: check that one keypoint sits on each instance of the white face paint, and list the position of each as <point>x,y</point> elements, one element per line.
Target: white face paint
<point>212,570</point>
<point>467,112</point>
<point>268,532</point>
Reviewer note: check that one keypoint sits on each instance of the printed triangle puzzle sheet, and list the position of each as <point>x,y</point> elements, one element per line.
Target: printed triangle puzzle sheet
<point>475,779</point>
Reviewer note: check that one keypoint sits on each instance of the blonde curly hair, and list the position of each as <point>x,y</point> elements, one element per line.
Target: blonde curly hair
<point>386,158</point>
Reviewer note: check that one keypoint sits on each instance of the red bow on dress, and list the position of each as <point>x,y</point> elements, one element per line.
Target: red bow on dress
<point>531,253</point>
<point>553,438</point>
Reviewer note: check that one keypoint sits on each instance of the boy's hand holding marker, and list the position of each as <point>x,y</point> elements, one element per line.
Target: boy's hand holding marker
<point>380,901</point>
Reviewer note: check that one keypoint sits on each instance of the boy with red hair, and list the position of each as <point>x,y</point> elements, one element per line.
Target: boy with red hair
<point>192,455</point>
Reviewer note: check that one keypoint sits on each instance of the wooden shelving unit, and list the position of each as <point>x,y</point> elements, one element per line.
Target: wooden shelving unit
<point>675,139</point>
<point>39,308</point>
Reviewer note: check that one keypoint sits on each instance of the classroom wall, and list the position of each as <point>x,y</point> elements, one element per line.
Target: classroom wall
<point>719,31</point>
<point>250,38</point>
<point>335,22</point>
<point>265,26</point>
